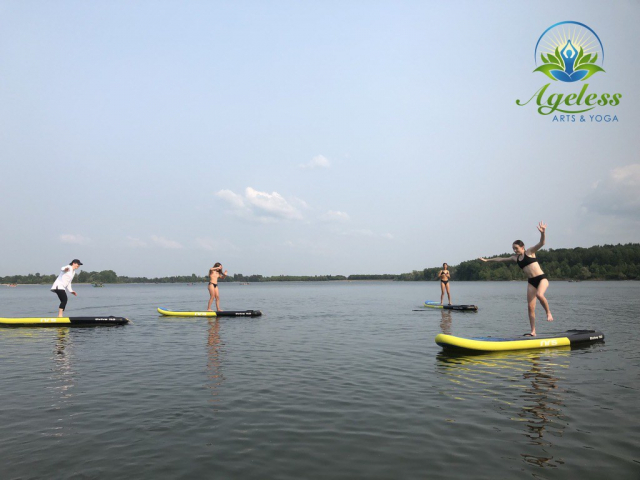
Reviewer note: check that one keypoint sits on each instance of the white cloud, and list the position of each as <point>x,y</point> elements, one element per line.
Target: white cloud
<point>262,206</point>
<point>271,204</point>
<point>73,239</point>
<point>298,202</point>
<point>165,243</point>
<point>628,176</point>
<point>233,198</point>
<point>335,216</point>
<point>135,242</point>
<point>618,195</point>
<point>319,161</point>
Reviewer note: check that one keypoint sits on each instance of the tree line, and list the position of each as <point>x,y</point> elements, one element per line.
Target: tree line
<point>109,276</point>
<point>606,262</point>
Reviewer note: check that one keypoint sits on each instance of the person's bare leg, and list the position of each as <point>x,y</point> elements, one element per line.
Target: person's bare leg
<point>211,297</point>
<point>218,309</point>
<point>542,288</point>
<point>531,303</point>
<point>442,292</point>
<point>60,312</point>
<point>448,294</point>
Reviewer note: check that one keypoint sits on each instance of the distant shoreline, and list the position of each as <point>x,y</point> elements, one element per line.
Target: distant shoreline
<point>607,262</point>
<point>325,281</point>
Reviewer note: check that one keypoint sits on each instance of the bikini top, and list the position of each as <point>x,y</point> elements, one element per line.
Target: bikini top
<point>526,260</point>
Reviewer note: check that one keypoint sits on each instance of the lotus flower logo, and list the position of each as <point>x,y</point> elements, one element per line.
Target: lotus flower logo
<point>569,52</point>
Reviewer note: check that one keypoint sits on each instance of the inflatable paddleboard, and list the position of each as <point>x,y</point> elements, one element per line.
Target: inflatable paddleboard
<point>430,304</point>
<point>62,321</point>
<point>226,313</point>
<point>492,344</point>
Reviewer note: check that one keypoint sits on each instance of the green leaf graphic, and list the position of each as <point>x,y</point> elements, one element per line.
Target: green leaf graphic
<point>544,60</point>
<point>580,55</point>
<point>595,57</point>
<point>546,69</point>
<point>552,59</point>
<point>560,59</point>
<point>585,59</point>
<point>591,68</point>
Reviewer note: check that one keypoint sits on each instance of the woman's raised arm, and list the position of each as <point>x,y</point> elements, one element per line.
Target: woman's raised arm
<point>542,227</point>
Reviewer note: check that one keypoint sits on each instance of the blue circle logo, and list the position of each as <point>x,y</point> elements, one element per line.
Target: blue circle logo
<point>569,52</point>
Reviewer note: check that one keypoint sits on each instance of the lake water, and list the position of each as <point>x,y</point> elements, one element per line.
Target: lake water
<point>337,380</point>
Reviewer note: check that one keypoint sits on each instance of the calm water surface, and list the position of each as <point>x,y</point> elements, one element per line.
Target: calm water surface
<point>336,380</point>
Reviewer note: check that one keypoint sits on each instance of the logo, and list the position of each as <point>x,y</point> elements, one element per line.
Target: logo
<point>569,52</point>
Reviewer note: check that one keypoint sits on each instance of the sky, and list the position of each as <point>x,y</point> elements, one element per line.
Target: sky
<point>155,138</point>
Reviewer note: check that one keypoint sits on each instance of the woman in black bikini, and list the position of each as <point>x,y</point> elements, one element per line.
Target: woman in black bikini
<point>537,279</point>
<point>444,277</point>
<point>215,274</point>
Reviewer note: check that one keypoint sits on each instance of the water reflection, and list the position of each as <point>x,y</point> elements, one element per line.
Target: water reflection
<point>63,375</point>
<point>214,358</point>
<point>524,386</point>
<point>445,322</point>
<point>62,357</point>
<point>542,412</point>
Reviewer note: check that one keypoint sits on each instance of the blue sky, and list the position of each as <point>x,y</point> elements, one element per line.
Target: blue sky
<point>156,138</point>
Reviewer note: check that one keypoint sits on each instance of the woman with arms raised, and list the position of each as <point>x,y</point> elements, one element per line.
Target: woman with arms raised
<point>537,279</point>
<point>215,274</point>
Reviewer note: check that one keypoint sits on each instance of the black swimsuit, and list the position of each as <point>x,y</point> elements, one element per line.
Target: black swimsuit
<point>214,284</point>
<point>444,281</point>
<point>535,281</point>
<point>526,260</point>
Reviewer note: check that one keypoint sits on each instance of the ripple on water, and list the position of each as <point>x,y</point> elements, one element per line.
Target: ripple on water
<point>336,380</point>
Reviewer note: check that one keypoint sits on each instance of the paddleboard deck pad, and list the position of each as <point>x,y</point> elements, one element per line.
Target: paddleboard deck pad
<point>430,304</point>
<point>492,344</point>
<point>62,321</point>
<point>226,313</point>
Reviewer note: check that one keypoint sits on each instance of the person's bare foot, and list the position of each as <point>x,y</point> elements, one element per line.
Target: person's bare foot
<point>209,310</point>
<point>532,334</point>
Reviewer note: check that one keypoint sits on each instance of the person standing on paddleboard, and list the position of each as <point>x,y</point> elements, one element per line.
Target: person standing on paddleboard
<point>215,274</point>
<point>444,275</point>
<point>537,279</point>
<point>63,283</point>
